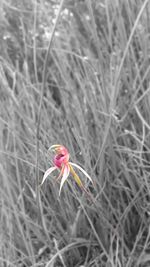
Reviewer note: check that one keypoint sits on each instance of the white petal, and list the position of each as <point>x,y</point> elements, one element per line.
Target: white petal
<point>84,172</point>
<point>53,147</point>
<point>47,173</point>
<point>64,177</point>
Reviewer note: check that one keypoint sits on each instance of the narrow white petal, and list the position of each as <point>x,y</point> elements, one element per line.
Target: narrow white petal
<point>53,147</point>
<point>82,170</point>
<point>64,177</point>
<point>47,173</point>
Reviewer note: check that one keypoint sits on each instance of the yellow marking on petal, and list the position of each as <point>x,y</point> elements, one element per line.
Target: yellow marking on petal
<point>53,146</point>
<point>82,170</point>
<point>76,177</point>
<point>79,182</point>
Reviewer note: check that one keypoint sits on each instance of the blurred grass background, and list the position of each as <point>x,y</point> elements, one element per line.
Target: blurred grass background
<point>96,102</point>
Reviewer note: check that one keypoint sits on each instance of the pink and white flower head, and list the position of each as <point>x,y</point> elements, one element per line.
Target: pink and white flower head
<point>65,167</point>
<point>62,156</point>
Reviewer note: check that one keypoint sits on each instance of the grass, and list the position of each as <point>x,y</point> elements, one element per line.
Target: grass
<point>93,97</point>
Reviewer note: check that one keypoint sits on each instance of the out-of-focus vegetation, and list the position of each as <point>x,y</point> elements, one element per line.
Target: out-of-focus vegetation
<point>96,102</point>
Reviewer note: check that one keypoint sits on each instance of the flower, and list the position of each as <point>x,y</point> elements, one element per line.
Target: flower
<point>65,167</point>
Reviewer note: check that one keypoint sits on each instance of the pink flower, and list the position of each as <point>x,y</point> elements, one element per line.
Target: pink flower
<point>65,167</point>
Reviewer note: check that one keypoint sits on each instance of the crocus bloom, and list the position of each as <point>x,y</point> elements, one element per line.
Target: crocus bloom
<point>65,167</point>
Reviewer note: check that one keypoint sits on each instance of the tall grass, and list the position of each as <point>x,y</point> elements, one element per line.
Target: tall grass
<point>95,101</point>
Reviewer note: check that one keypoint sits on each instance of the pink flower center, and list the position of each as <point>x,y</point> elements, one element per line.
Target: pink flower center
<point>61,159</point>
